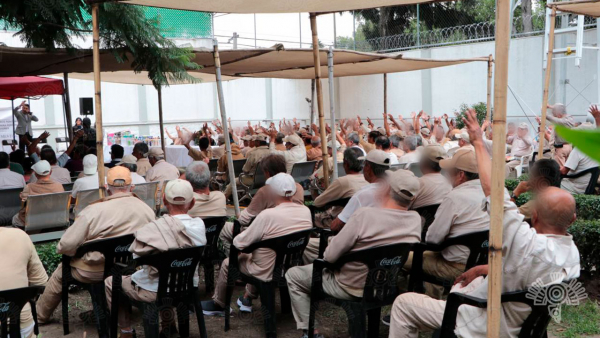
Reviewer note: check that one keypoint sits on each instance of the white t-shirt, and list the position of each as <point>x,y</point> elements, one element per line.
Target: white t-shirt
<point>11,180</point>
<point>85,183</point>
<point>137,179</point>
<point>577,162</point>
<point>365,197</point>
<point>393,159</point>
<point>409,158</point>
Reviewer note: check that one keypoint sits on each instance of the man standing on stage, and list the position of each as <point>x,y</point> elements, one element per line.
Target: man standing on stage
<point>24,118</point>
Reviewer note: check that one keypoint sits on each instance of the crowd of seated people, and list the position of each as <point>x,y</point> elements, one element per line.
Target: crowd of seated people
<point>391,173</point>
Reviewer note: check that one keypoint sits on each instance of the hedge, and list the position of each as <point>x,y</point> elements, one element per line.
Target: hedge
<point>511,184</point>
<point>588,206</point>
<point>47,253</point>
<point>586,235</point>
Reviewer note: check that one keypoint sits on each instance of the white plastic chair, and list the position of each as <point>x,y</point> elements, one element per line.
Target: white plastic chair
<point>85,198</point>
<point>524,164</point>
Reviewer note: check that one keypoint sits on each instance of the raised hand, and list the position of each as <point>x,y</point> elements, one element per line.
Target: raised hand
<point>594,111</point>
<point>327,128</point>
<point>472,125</point>
<point>538,119</point>
<point>413,115</point>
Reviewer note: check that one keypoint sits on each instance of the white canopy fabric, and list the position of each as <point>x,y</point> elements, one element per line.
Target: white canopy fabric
<point>273,6</point>
<point>584,7</point>
<point>257,63</point>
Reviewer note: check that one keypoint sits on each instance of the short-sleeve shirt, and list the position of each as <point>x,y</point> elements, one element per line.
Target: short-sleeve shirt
<point>578,162</point>
<point>365,197</point>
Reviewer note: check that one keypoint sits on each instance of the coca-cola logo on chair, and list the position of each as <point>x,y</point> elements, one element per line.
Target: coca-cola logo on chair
<point>390,261</point>
<point>181,264</point>
<point>295,244</point>
<point>122,248</point>
<point>212,228</point>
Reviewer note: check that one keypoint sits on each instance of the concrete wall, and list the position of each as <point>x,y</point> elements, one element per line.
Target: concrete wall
<point>436,91</point>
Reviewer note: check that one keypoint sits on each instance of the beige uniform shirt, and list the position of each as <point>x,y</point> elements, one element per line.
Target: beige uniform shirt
<point>59,175</point>
<point>292,156</point>
<point>199,155</point>
<point>281,220</point>
<point>367,228</point>
<point>38,188</point>
<point>162,171</point>
<point>116,215</point>
<point>263,199</point>
<point>566,121</point>
<point>217,152</point>
<point>314,154</point>
<point>367,146</point>
<point>20,266</point>
<point>434,188</point>
<point>343,187</point>
<point>211,205</point>
<point>521,146</point>
<point>143,165</point>
<point>254,157</point>
<point>459,213</point>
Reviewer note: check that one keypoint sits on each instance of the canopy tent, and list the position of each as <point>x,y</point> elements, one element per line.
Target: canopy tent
<point>583,7</point>
<point>12,88</point>
<point>273,6</point>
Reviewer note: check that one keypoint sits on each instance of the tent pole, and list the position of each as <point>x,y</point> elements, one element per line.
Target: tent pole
<point>312,101</point>
<point>385,93</point>
<point>97,97</point>
<point>12,103</point>
<point>488,115</point>
<point>547,82</point>
<point>160,119</point>
<point>332,112</point>
<point>317,58</point>
<point>494,306</point>
<point>225,127</point>
<point>67,101</point>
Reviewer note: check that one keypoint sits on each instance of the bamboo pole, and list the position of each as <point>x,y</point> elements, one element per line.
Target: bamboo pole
<point>160,119</point>
<point>67,101</point>
<point>225,127</point>
<point>98,98</point>
<point>385,93</point>
<point>547,81</point>
<point>488,115</point>
<point>494,305</point>
<point>332,114</point>
<point>317,58</point>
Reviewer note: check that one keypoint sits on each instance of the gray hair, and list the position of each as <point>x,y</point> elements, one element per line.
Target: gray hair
<point>114,190</point>
<point>131,166</point>
<point>198,174</point>
<point>315,141</point>
<point>354,138</point>
<point>411,142</point>
<point>559,109</point>
<point>221,139</point>
<point>142,148</point>
<point>395,140</point>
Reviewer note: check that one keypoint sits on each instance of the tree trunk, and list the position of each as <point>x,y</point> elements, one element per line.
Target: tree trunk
<point>384,15</point>
<point>526,16</point>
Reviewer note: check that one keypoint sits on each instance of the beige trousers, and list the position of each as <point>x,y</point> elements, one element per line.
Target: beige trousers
<point>52,294</point>
<point>132,291</point>
<point>221,287</point>
<point>510,167</point>
<point>299,281</point>
<point>434,264</point>
<point>311,252</point>
<point>561,154</point>
<point>247,180</point>
<point>226,237</point>
<point>413,312</point>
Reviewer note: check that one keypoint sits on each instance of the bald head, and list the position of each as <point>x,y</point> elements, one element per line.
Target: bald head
<point>554,211</point>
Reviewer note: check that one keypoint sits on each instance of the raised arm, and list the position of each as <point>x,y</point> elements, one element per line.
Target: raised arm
<point>484,162</point>
<point>386,125</point>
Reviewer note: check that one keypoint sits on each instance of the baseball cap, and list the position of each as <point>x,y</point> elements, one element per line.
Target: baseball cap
<point>403,183</point>
<point>260,137</point>
<point>179,192</point>
<point>464,135</point>
<point>42,168</point>
<point>463,159</point>
<point>247,138</point>
<point>156,152</point>
<point>118,176</point>
<point>435,152</point>
<point>293,139</point>
<point>337,144</point>
<point>90,164</point>
<point>523,125</point>
<point>381,130</point>
<point>378,157</point>
<point>425,131</point>
<point>130,159</point>
<point>282,184</point>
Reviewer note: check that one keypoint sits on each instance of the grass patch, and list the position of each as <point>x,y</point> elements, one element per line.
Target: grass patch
<point>578,321</point>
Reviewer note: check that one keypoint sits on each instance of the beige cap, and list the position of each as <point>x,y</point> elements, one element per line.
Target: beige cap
<point>156,152</point>
<point>129,159</point>
<point>381,130</point>
<point>435,152</point>
<point>425,131</point>
<point>118,176</point>
<point>179,192</point>
<point>261,137</point>
<point>454,132</point>
<point>378,157</point>
<point>293,139</point>
<point>42,168</point>
<point>90,164</point>
<point>282,184</point>
<point>523,125</point>
<point>464,135</point>
<point>403,183</point>
<point>401,133</point>
<point>337,144</point>
<point>247,138</point>
<point>463,159</point>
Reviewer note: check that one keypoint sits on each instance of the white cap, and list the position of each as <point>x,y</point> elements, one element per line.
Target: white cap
<point>90,164</point>
<point>179,189</point>
<point>337,144</point>
<point>464,135</point>
<point>378,157</point>
<point>523,125</point>
<point>129,159</point>
<point>282,184</point>
<point>293,139</point>
<point>42,168</point>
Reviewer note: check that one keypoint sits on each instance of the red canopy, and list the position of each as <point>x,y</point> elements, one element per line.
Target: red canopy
<point>29,86</point>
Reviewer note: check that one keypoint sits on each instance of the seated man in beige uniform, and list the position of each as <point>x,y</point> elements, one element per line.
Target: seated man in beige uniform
<point>258,153</point>
<point>392,223</point>
<point>459,213</point>
<point>207,203</point>
<point>522,146</point>
<point>161,170</point>
<point>59,174</point>
<point>559,116</point>
<point>543,253</point>
<point>434,186</point>
<point>140,151</point>
<point>271,165</point>
<point>315,153</point>
<point>286,218</point>
<point>20,267</point>
<point>204,154</point>
<point>119,214</point>
<point>543,173</point>
<point>173,231</point>
<point>44,184</point>
<point>317,176</point>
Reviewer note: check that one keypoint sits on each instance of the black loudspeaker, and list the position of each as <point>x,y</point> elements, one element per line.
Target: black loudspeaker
<point>86,106</point>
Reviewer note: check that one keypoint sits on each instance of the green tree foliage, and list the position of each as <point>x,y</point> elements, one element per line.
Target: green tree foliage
<point>480,108</point>
<point>124,30</point>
